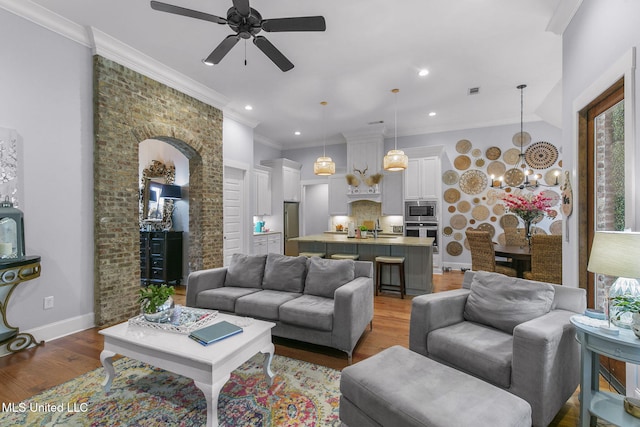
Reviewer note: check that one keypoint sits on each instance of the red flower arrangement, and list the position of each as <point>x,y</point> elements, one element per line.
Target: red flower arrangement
<point>527,207</point>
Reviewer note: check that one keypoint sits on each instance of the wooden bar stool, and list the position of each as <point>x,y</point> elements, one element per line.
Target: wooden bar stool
<point>398,261</point>
<point>312,254</point>
<point>345,256</point>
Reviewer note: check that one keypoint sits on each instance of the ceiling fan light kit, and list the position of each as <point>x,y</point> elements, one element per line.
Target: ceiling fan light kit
<point>395,160</point>
<point>247,23</point>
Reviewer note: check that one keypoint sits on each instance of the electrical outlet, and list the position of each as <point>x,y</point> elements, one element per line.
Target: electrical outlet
<point>48,302</point>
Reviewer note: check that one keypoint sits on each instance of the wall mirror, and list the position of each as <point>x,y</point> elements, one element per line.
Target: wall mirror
<point>155,210</point>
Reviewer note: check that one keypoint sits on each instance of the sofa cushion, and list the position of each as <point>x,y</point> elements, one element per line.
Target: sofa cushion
<point>309,311</point>
<point>476,349</point>
<point>324,276</point>
<point>245,271</point>
<point>223,299</point>
<point>284,273</point>
<point>263,304</point>
<point>504,302</point>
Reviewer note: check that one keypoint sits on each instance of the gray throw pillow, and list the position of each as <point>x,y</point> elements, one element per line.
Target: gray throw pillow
<point>245,271</point>
<point>324,276</point>
<point>284,273</point>
<point>504,302</point>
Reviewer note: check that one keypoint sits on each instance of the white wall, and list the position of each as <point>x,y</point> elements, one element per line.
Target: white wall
<point>315,209</point>
<point>596,52</point>
<point>46,86</point>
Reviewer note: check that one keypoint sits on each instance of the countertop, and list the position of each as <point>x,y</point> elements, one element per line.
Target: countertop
<point>381,240</point>
<point>380,233</point>
<point>265,233</point>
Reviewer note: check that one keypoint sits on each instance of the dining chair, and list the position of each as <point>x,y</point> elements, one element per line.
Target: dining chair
<point>546,259</point>
<point>515,236</point>
<point>483,256</point>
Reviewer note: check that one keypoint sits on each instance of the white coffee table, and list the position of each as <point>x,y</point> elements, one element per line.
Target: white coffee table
<point>210,367</point>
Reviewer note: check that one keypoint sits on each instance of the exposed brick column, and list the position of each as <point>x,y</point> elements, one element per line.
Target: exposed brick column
<point>129,108</point>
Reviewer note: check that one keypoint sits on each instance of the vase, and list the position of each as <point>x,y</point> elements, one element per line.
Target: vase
<point>162,314</point>
<point>527,231</point>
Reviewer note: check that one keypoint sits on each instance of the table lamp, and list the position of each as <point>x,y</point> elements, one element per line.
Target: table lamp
<point>616,253</point>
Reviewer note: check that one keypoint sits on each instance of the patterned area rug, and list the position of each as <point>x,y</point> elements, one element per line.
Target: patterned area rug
<point>302,394</point>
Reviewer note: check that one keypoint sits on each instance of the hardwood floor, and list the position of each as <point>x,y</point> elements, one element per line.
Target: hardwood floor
<point>32,371</point>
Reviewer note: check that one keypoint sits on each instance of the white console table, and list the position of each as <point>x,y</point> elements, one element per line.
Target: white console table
<point>593,402</point>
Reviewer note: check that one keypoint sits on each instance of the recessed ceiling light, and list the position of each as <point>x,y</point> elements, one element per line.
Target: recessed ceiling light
<point>423,72</point>
<point>248,107</point>
<point>431,114</point>
<point>297,133</point>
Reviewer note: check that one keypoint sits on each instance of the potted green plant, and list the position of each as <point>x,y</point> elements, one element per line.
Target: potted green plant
<point>363,232</point>
<point>621,305</point>
<point>156,302</point>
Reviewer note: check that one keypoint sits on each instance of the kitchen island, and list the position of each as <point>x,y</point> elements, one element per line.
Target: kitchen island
<point>417,251</point>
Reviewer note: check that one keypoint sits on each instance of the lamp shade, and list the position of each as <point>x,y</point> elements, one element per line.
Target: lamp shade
<point>171,192</point>
<point>615,253</point>
<point>395,160</point>
<point>324,166</point>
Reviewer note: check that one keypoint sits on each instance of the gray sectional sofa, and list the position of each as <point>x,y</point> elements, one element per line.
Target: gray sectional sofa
<point>321,301</point>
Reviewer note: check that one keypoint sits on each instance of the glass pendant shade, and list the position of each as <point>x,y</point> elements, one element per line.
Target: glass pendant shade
<point>395,160</point>
<point>324,166</point>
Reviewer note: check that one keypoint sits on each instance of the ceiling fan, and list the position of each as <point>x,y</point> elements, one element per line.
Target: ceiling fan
<point>247,22</point>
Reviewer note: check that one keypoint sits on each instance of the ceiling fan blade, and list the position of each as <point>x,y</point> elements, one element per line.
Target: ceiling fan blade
<point>302,23</point>
<point>273,53</point>
<point>164,7</point>
<point>242,6</point>
<point>222,49</point>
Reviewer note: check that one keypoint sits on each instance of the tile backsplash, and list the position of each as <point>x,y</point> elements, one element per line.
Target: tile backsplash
<point>364,210</point>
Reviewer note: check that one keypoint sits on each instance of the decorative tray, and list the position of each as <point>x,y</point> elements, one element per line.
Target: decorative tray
<point>184,320</point>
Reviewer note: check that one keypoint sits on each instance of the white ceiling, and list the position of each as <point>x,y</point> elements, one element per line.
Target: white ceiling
<point>369,48</point>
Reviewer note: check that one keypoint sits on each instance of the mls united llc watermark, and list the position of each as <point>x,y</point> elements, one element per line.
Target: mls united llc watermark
<point>45,407</point>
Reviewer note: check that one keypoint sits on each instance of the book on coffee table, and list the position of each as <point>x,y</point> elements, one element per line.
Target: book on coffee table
<point>216,332</point>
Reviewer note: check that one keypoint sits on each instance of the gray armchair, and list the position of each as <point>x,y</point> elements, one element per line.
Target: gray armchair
<point>512,333</point>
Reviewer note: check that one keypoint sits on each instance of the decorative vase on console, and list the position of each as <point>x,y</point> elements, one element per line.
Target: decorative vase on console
<point>527,207</point>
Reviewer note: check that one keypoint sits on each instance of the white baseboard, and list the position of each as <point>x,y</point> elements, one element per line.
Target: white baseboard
<point>457,265</point>
<point>58,329</point>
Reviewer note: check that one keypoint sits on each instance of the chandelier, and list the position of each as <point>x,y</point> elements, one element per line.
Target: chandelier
<point>324,166</point>
<point>531,179</point>
<point>395,160</point>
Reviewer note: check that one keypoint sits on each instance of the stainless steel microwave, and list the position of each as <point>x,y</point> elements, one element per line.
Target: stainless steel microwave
<point>420,210</point>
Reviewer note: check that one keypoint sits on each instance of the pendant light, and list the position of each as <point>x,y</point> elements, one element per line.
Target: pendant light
<point>324,166</point>
<point>395,160</point>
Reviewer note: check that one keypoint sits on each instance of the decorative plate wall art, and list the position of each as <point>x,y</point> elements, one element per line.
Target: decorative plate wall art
<point>458,221</point>
<point>541,155</point>
<point>556,227</point>
<point>450,177</point>
<point>554,198</point>
<point>480,212</point>
<point>521,139</point>
<point>509,220</point>
<point>454,248</point>
<point>462,162</point>
<point>485,226</point>
<point>511,156</point>
<point>476,152</point>
<point>493,153</point>
<point>451,195</point>
<point>447,231</point>
<point>473,182</point>
<point>551,178</point>
<point>464,206</point>
<point>497,169</point>
<point>499,209</point>
<point>463,146</point>
<point>479,163</point>
<point>514,177</point>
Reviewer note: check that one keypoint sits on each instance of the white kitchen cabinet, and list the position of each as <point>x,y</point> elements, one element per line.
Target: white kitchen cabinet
<point>260,245</point>
<point>274,243</point>
<point>338,201</point>
<point>291,183</point>
<point>422,178</point>
<point>262,192</point>
<point>392,203</point>
<point>267,243</point>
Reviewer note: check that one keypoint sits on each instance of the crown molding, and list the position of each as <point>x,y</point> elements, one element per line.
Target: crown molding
<point>113,49</point>
<point>562,16</point>
<point>374,132</point>
<point>48,19</point>
<point>237,117</point>
<point>266,141</point>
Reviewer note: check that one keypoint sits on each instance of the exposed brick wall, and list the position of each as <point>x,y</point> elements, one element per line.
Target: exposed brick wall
<point>130,108</point>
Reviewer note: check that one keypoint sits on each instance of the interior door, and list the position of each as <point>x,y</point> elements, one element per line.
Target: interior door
<point>233,211</point>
